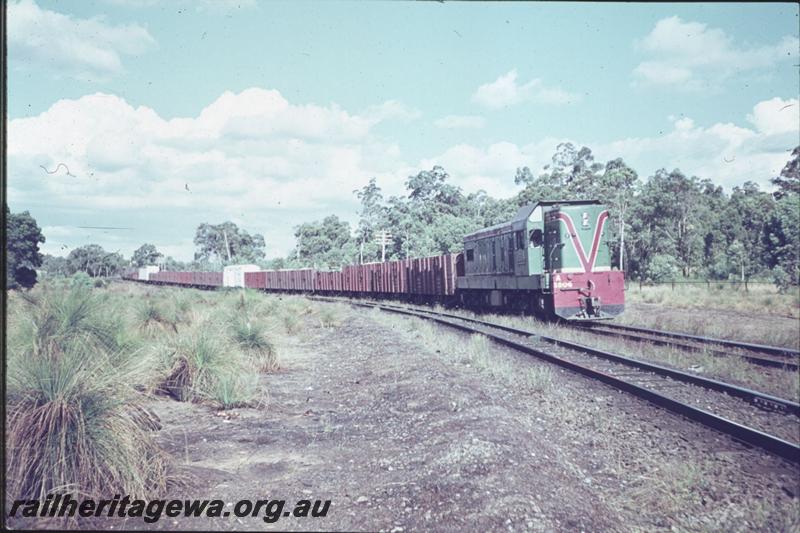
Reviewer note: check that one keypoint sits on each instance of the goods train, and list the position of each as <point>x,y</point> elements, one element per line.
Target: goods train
<point>551,260</point>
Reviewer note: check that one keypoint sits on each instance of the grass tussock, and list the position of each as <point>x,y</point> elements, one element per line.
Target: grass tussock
<point>80,359</point>
<point>331,315</point>
<point>252,337</point>
<point>198,361</point>
<point>291,323</point>
<point>152,319</point>
<point>75,421</point>
<point>235,390</point>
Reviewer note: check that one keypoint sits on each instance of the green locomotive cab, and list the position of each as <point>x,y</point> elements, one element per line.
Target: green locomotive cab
<point>552,259</point>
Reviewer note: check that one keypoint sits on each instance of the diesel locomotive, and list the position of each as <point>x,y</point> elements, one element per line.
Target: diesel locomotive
<point>552,259</point>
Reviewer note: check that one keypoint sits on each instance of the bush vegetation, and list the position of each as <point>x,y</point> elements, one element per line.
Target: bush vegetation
<point>75,420</point>
<point>83,358</point>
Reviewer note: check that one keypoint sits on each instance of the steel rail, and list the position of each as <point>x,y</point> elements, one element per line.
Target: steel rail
<point>773,363</point>
<point>747,435</point>
<point>772,350</point>
<point>758,398</point>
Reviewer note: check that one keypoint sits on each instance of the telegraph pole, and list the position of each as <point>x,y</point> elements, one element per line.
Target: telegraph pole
<point>227,246</point>
<point>383,238</point>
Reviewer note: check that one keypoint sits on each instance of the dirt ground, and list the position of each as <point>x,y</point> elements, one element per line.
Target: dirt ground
<point>404,438</point>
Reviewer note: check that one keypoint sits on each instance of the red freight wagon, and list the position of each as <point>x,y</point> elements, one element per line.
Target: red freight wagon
<point>324,281</point>
<point>272,279</point>
<point>283,280</point>
<point>433,275</point>
<point>320,281</point>
<point>308,278</point>
<point>376,277</point>
<point>255,280</point>
<point>337,279</point>
<point>362,278</point>
<point>403,274</point>
<point>347,279</point>
<point>329,281</point>
<point>367,275</point>
<point>382,278</point>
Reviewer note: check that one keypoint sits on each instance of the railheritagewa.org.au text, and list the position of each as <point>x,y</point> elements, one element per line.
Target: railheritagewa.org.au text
<point>65,506</point>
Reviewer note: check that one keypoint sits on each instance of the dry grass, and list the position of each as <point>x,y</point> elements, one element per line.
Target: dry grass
<point>476,351</point>
<point>330,314</point>
<point>731,369</point>
<point>754,328</point>
<point>762,299</point>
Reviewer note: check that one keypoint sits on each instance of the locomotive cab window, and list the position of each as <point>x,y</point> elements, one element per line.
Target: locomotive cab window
<point>536,238</point>
<point>470,255</point>
<point>520,240</point>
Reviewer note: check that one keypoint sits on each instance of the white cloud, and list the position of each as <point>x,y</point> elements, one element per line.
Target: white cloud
<point>271,164</point>
<point>452,122</point>
<point>726,153</point>
<point>505,91</point>
<point>70,45</point>
<point>692,56</point>
<point>493,168</point>
<point>252,155</point>
<point>776,115</point>
<point>391,110</point>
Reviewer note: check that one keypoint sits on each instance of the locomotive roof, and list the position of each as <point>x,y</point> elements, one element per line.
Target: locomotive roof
<point>519,220</point>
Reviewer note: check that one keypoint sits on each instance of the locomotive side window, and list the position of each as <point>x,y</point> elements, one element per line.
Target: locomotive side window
<point>470,255</point>
<point>536,238</point>
<point>520,240</point>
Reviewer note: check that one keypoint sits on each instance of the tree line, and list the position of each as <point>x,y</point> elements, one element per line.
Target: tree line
<point>216,245</point>
<point>664,227</point>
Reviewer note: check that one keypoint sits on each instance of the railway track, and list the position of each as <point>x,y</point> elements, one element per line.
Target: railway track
<point>691,343</point>
<point>768,356</point>
<point>689,395</point>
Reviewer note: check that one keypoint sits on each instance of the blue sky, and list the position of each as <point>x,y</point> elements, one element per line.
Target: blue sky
<point>169,114</point>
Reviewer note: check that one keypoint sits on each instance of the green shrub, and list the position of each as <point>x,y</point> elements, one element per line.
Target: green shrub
<point>81,280</point>
<point>662,268</point>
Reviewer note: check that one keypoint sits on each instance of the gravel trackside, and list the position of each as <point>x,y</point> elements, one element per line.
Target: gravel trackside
<point>406,426</point>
